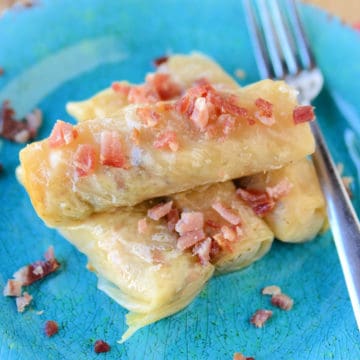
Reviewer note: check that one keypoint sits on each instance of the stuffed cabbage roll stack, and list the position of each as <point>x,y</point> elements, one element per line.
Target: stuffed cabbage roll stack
<point>155,257</point>
<point>165,147</point>
<point>289,199</point>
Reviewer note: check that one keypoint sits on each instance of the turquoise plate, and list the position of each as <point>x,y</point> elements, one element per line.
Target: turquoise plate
<point>63,50</point>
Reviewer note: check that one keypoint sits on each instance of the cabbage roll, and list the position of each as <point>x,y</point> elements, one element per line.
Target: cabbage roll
<point>300,214</point>
<point>183,69</point>
<point>155,257</point>
<point>161,148</point>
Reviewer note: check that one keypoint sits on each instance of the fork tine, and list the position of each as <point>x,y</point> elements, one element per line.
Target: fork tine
<point>285,38</point>
<point>271,39</point>
<point>261,55</point>
<point>306,55</point>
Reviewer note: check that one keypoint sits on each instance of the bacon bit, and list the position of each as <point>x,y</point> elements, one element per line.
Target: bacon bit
<point>214,250</point>
<point>159,211</point>
<point>123,89</point>
<point>226,213</point>
<point>271,290</point>
<point>185,105</point>
<point>212,224</point>
<point>265,114</point>
<point>142,94</point>
<point>200,114</point>
<point>229,106</point>
<point>160,60</point>
<point>281,189</point>
<point>229,233</point>
<point>12,288</point>
<point>101,347</point>
<point>1,71</point>
<point>303,114</point>
<point>31,273</point>
<point>202,250</point>
<point>282,301</point>
<point>62,134</point>
<point>23,301</point>
<point>189,239</point>
<point>190,221</point>
<point>111,152</point>
<point>172,219</point>
<point>239,356</point>
<point>142,226</point>
<point>227,122</point>
<point>18,131</point>
<point>222,242</point>
<point>164,86</point>
<point>259,201</point>
<point>260,317</point>
<point>148,116</point>
<point>167,140</point>
<point>51,328</point>
<point>84,160</point>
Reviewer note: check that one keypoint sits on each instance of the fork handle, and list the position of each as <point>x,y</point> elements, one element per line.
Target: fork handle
<point>342,218</point>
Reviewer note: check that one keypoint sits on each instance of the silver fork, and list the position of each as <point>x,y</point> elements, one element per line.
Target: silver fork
<point>282,52</point>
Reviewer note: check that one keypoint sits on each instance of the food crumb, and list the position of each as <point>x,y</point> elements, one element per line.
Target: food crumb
<point>1,71</point>
<point>271,290</point>
<point>282,301</point>
<point>239,356</point>
<point>23,301</point>
<point>51,328</point>
<point>101,346</point>
<point>260,317</point>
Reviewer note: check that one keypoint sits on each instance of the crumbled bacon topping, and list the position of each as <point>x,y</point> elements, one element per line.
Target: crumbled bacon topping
<point>159,211</point>
<point>303,114</point>
<point>227,213</point>
<point>51,328</point>
<point>259,201</point>
<point>229,233</point>
<point>172,219</point>
<point>84,160</point>
<point>142,226</point>
<point>121,88</point>
<point>260,317</point>
<point>200,114</point>
<point>271,290</point>
<point>31,273</point>
<point>101,346</point>
<point>279,190</point>
<point>18,131</point>
<point>13,288</point>
<point>239,356</point>
<point>189,239</point>
<point>1,71</point>
<point>202,250</point>
<point>62,134</point>
<point>164,86</point>
<point>190,221</point>
<point>265,112</point>
<point>23,301</point>
<point>148,116</point>
<point>111,150</point>
<point>282,301</point>
<point>160,60</point>
<point>167,140</point>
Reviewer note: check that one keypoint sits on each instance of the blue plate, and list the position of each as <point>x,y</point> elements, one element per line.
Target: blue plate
<point>63,50</point>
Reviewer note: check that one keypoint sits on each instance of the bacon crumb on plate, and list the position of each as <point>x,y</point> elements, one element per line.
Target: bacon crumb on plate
<point>159,211</point>
<point>23,301</point>
<point>101,346</point>
<point>190,221</point>
<point>259,201</point>
<point>189,239</point>
<point>282,301</point>
<point>160,60</point>
<point>167,140</point>
<point>13,288</point>
<point>203,251</point>
<point>51,328</point>
<point>271,290</point>
<point>260,317</point>
<point>227,213</point>
<point>239,356</point>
